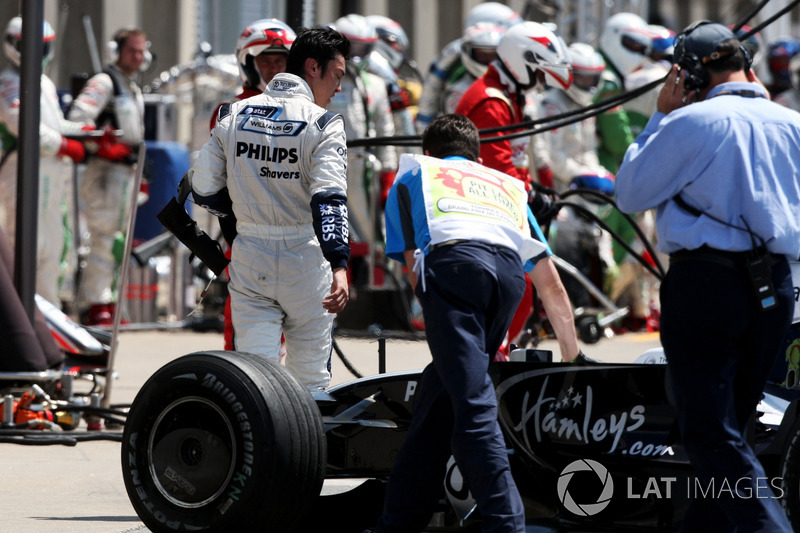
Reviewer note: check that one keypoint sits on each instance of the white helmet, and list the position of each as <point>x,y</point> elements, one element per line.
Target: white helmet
<point>479,47</point>
<point>361,33</point>
<point>392,40</point>
<point>12,44</point>
<point>265,35</point>
<point>587,70</point>
<point>626,42</point>
<point>663,42</point>
<point>528,47</point>
<point>492,13</point>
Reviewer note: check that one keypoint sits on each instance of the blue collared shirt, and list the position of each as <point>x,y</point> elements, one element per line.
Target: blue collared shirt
<point>732,157</point>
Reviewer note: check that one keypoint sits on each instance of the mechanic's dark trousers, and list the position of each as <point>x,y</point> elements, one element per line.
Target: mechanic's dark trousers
<point>471,292</point>
<point>720,349</point>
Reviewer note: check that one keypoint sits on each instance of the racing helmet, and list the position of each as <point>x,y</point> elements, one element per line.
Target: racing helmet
<point>361,33</point>
<point>781,55</point>
<point>266,35</point>
<point>626,42</point>
<point>528,47</point>
<point>479,47</point>
<point>392,40</point>
<point>587,70</point>
<point>12,43</point>
<point>492,13</point>
<point>599,180</point>
<point>663,43</point>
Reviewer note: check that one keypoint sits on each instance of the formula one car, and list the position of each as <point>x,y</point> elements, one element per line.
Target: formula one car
<point>224,441</point>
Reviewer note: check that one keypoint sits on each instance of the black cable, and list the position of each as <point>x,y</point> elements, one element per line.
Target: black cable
<point>591,216</point>
<point>346,361</point>
<point>738,26</point>
<point>555,124</point>
<point>639,233</point>
<point>560,120</point>
<point>578,114</point>
<point>770,20</point>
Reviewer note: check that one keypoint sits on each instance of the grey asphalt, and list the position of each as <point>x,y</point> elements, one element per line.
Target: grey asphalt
<point>79,489</point>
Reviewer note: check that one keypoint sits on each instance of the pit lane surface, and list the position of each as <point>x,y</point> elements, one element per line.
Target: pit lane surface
<point>79,489</point>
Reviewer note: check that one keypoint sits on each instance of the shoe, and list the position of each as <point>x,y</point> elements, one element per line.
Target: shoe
<point>583,360</point>
<point>99,315</point>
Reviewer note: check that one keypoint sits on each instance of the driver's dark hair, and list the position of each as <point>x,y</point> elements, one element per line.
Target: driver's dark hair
<point>320,43</point>
<point>452,134</point>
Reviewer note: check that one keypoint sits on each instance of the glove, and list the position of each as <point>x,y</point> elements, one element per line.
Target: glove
<point>387,180</point>
<point>542,207</point>
<point>115,151</point>
<point>109,148</point>
<point>545,176</point>
<point>72,149</point>
<point>399,98</point>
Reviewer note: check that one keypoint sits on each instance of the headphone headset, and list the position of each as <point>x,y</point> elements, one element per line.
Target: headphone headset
<point>697,76</point>
<point>114,46</point>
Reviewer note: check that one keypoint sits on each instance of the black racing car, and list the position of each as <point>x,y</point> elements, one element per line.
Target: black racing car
<point>223,441</point>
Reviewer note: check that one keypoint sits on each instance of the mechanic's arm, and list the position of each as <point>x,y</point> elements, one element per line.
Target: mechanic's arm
<point>663,159</point>
<point>559,310</point>
<point>93,99</point>
<point>411,262</point>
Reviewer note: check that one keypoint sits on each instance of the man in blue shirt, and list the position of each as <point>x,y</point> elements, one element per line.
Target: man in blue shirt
<point>721,164</point>
<point>463,230</point>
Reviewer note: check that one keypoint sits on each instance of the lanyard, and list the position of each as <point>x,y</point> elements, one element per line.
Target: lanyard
<point>745,93</point>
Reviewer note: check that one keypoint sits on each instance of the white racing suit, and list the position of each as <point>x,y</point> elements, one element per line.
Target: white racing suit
<point>454,89</point>
<point>364,104</point>
<point>106,186</point>
<point>572,149</point>
<point>53,175</point>
<point>398,97</point>
<point>431,101</point>
<point>277,162</point>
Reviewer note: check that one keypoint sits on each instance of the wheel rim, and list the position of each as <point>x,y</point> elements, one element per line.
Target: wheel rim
<point>192,452</point>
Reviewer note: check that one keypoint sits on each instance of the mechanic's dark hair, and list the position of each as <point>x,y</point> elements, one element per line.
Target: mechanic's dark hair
<point>320,43</point>
<point>732,57</point>
<point>452,134</point>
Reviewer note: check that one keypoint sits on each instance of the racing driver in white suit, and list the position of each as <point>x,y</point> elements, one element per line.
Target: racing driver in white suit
<point>277,162</point>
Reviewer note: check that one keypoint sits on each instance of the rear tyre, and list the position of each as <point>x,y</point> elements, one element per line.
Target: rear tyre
<point>223,441</point>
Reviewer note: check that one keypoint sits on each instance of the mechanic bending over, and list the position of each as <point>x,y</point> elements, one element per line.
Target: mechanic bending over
<point>463,230</point>
<point>727,216</point>
<point>284,181</point>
